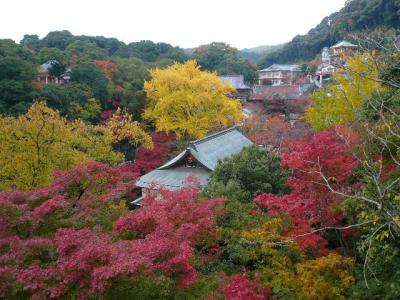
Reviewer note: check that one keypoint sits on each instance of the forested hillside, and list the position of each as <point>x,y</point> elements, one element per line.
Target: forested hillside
<point>103,70</point>
<point>256,53</point>
<point>356,16</point>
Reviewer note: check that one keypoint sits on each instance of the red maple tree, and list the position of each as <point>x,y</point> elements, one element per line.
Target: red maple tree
<point>315,161</point>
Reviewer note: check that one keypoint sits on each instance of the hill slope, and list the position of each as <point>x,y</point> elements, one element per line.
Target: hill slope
<point>256,53</point>
<point>357,15</point>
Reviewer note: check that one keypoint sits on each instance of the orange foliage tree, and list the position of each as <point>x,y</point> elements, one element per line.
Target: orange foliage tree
<point>107,67</point>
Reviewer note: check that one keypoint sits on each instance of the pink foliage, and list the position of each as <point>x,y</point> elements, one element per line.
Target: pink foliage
<point>94,259</point>
<point>58,202</point>
<point>149,159</point>
<point>194,217</point>
<point>14,212</point>
<point>18,250</point>
<point>39,281</point>
<point>76,196</point>
<point>89,261</point>
<point>107,114</point>
<point>54,242</point>
<point>241,287</point>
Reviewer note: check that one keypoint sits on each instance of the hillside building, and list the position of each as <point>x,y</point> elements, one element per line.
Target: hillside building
<point>285,100</point>
<point>45,76</point>
<point>325,69</point>
<point>343,48</point>
<point>332,59</point>
<point>276,75</point>
<point>197,161</point>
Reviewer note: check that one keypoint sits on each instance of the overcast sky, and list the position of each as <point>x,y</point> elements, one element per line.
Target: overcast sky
<point>184,23</point>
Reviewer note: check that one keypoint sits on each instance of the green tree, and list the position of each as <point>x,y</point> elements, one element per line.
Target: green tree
<point>46,54</point>
<point>223,59</point>
<point>111,45</point>
<point>89,112</point>
<point>83,52</point>
<point>57,39</point>
<point>127,84</point>
<point>32,42</point>
<point>17,70</point>
<point>252,171</point>
<point>91,75</point>
<point>60,97</point>
<point>56,68</point>
<point>151,52</point>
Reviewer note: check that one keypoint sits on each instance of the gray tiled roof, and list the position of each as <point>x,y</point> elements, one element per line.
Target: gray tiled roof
<point>275,67</point>
<point>344,44</point>
<point>47,65</point>
<point>173,179</point>
<point>207,152</point>
<point>237,81</point>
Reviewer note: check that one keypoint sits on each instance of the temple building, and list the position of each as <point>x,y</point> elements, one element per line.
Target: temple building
<point>331,60</point>
<point>243,91</point>
<point>45,76</point>
<point>343,48</point>
<point>197,161</point>
<point>279,75</point>
<point>325,70</point>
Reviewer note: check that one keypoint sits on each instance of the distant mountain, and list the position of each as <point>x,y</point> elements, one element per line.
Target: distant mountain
<point>256,53</point>
<point>355,16</point>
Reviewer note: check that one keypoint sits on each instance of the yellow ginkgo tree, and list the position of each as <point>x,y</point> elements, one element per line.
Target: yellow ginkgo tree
<point>189,102</point>
<point>35,144</point>
<point>338,103</point>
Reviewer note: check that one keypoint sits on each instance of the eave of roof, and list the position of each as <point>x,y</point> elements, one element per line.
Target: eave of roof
<point>173,178</point>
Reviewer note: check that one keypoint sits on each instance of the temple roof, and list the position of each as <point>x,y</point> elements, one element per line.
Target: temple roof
<point>174,178</point>
<point>206,152</point>
<point>276,67</point>
<point>344,44</point>
<point>47,66</point>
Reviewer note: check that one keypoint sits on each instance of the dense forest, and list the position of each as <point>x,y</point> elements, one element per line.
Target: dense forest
<point>105,70</point>
<point>356,16</point>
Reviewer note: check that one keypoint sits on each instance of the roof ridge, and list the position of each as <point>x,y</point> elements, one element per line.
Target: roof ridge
<point>212,136</point>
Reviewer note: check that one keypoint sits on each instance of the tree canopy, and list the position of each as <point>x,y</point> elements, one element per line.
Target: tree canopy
<point>189,102</point>
<point>253,170</point>
<point>17,71</point>
<point>225,60</point>
<point>339,102</point>
<point>35,144</point>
